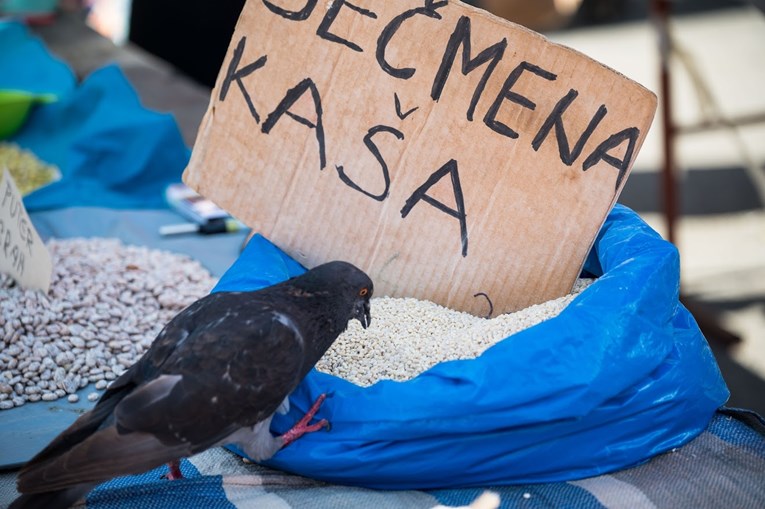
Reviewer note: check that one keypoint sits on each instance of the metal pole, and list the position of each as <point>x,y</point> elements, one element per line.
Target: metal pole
<point>661,11</point>
<point>708,322</point>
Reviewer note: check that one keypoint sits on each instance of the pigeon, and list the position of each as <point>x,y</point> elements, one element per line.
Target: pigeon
<point>215,375</point>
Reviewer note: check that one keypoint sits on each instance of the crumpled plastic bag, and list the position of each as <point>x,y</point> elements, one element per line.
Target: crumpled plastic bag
<point>111,151</point>
<point>622,374</point>
<point>26,64</point>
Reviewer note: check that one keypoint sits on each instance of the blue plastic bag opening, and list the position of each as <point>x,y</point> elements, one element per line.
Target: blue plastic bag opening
<point>622,374</point>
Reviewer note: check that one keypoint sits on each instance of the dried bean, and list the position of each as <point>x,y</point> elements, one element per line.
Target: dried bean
<point>105,299</point>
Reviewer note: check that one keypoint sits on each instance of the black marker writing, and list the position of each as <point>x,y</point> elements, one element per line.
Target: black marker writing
<point>5,236</point>
<point>402,114</point>
<point>390,30</point>
<point>7,194</point>
<point>491,305</point>
<point>461,37</point>
<point>16,213</point>
<point>567,156</point>
<point>420,193</point>
<point>234,74</point>
<point>283,107</point>
<point>300,15</point>
<point>506,94</point>
<point>376,152</point>
<point>630,135</point>
<point>11,250</point>
<point>329,18</point>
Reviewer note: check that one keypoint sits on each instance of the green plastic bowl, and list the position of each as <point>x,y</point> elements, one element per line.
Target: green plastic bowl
<point>15,106</point>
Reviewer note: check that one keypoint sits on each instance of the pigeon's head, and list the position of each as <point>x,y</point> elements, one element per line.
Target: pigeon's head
<point>353,285</point>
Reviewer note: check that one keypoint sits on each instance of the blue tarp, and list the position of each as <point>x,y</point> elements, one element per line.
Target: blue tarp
<point>27,65</point>
<point>112,152</point>
<point>622,374</point>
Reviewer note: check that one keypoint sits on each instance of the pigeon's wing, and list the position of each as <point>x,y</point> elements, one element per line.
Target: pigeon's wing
<point>237,372</point>
<point>232,372</point>
<point>102,456</point>
<point>147,368</point>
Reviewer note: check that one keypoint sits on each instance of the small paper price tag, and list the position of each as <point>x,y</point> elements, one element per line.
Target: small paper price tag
<point>23,255</point>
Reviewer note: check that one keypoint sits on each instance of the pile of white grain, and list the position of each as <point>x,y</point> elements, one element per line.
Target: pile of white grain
<point>106,304</point>
<point>409,336</point>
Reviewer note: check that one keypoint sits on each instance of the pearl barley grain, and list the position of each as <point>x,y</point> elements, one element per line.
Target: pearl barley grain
<point>408,336</point>
<point>106,304</point>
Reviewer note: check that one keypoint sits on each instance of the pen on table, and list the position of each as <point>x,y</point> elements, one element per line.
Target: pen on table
<point>221,225</point>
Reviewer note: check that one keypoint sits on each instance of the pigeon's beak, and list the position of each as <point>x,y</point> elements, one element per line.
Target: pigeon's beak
<point>362,313</point>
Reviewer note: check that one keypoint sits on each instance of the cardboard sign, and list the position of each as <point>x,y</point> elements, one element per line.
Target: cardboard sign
<point>23,255</point>
<point>454,156</point>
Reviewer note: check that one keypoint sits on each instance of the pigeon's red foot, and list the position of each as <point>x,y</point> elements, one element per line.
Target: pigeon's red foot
<point>173,471</point>
<point>302,427</point>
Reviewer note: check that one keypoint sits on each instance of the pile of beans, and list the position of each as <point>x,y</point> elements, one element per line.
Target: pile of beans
<point>106,304</point>
<point>409,336</point>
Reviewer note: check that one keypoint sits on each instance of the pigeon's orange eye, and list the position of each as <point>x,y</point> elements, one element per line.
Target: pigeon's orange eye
<point>363,292</point>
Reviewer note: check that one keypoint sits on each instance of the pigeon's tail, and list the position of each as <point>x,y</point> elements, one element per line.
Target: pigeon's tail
<point>59,499</point>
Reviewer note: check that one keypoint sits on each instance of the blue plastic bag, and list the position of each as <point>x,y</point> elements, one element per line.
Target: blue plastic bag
<point>112,152</point>
<point>622,374</point>
<point>26,64</point>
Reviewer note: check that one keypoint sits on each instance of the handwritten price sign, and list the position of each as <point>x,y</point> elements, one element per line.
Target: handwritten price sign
<point>23,255</point>
<point>454,156</point>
